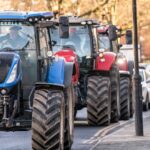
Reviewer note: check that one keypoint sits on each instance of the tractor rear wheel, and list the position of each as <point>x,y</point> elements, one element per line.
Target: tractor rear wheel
<point>125,98</point>
<point>69,117</point>
<point>115,93</point>
<point>48,120</point>
<point>98,101</point>
<point>130,66</point>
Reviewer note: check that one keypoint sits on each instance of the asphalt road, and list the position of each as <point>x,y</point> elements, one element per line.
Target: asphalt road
<point>85,136</point>
<point>83,133</point>
<point>21,140</point>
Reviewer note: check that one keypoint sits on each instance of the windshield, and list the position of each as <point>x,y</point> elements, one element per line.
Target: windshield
<point>16,36</point>
<point>19,37</point>
<point>78,40</point>
<point>104,42</point>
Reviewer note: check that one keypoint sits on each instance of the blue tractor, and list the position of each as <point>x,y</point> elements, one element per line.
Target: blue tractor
<point>35,86</point>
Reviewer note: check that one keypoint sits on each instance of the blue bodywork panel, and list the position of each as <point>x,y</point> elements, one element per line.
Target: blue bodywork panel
<point>55,74</point>
<point>15,15</point>
<point>16,60</point>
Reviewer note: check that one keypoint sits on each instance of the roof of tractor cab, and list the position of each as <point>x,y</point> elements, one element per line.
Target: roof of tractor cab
<point>21,16</point>
<point>78,20</point>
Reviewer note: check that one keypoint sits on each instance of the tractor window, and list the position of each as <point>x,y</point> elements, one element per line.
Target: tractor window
<point>44,46</point>
<point>78,40</point>
<point>104,42</point>
<point>142,75</point>
<point>20,37</point>
<point>16,36</point>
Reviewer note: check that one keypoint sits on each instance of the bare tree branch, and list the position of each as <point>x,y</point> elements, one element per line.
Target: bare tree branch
<point>101,4</point>
<point>49,4</point>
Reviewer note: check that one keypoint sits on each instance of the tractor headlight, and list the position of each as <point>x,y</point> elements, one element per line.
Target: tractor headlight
<point>13,75</point>
<point>101,55</point>
<point>83,23</point>
<point>3,91</point>
<point>101,50</point>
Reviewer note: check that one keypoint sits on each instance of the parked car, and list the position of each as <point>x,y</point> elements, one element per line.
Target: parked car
<point>145,81</point>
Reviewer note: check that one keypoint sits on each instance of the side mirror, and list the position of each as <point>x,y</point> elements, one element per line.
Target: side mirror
<point>119,46</point>
<point>64,27</point>
<point>112,33</point>
<point>128,37</point>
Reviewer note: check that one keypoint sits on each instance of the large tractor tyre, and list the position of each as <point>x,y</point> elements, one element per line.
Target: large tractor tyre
<point>125,93</point>
<point>98,101</point>
<point>115,93</point>
<point>145,104</point>
<point>69,117</point>
<point>130,66</point>
<point>48,120</point>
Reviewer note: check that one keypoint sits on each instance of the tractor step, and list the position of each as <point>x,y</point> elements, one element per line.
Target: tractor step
<point>17,125</point>
<point>22,123</point>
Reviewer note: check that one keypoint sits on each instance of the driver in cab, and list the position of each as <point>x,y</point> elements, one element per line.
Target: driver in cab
<point>13,39</point>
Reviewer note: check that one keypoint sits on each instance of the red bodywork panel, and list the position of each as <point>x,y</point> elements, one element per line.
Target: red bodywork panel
<point>109,57</point>
<point>123,66</point>
<point>70,56</point>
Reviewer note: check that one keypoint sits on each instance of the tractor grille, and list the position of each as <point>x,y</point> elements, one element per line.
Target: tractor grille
<point>5,64</point>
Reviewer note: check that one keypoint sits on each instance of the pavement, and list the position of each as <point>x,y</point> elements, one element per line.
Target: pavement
<point>125,138</point>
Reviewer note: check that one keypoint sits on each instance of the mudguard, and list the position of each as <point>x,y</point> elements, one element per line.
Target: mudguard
<point>56,71</point>
<point>60,72</point>
<point>68,73</point>
<point>124,73</point>
<point>123,65</point>
<point>71,57</point>
<point>105,64</point>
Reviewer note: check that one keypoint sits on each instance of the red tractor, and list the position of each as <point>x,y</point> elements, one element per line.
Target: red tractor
<point>109,47</point>
<point>96,81</point>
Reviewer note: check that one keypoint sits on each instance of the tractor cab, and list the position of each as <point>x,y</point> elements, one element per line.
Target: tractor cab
<point>108,42</point>
<point>107,37</point>
<point>95,73</point>
<point>21,45</point>
<point>18,40</point>
<point>35,86</point>
<point>80,40</point>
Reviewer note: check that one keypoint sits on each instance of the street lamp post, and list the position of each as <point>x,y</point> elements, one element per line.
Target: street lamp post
<point>136,77</point>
